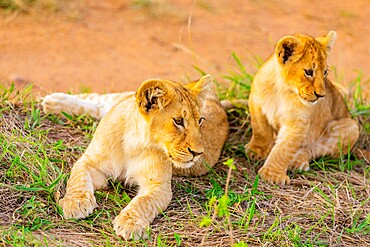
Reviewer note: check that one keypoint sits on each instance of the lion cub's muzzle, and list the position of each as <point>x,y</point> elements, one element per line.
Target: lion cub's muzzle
<point>311,99</point>
<point>185,159</point>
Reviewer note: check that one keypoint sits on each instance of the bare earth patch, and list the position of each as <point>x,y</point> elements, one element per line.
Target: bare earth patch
<point>114,45</point>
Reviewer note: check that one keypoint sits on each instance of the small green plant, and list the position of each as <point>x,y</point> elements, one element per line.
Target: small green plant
<point>221,205</point>
<point>241,244</point>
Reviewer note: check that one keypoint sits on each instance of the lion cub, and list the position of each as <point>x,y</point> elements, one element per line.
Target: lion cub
<point>143,138</point>
<point>297,113</point>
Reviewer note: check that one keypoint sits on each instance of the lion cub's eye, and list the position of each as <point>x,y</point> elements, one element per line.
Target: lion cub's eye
<point>326,72</point>
<point>201,120</point>
<point>308,72</point>
<point>179,121</point>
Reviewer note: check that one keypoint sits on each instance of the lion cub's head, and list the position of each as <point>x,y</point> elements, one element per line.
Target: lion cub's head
<point>303,62</point>
<point>174,115</point>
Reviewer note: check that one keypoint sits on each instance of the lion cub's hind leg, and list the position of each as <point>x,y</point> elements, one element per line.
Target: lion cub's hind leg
<point>301,160</point>
<point>338,138</point>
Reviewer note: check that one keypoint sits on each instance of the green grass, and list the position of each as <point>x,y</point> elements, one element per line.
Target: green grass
<point>328,205</point>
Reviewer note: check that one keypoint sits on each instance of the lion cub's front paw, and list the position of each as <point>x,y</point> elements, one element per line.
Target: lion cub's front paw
<point>272,176</point>
<point>129,226</point>
<point>255,152</point>
<point>57,102</point>
<point>78,205</point>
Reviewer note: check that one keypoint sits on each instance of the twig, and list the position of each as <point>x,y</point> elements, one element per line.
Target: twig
<point>189,32</point>
<point>204,238</point>
<point>226,193</point>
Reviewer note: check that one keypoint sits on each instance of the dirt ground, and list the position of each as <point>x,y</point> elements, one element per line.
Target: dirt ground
<point>110,46</point>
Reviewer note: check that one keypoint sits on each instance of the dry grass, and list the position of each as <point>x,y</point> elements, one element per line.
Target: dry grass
<point>327,206</point>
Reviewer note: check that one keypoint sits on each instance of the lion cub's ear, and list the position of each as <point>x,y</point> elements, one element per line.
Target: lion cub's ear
<point>152,95</point>
<point>288,49</point>
<point>328,41</point>
<point>201,88</point>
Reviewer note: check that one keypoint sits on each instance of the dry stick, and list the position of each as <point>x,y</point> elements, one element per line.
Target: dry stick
<point>226,192</point>
<point>215,213</point>
<point>209,227</point>
<point>228,180</point>
<point>189,33</point>
<point>187,50</point>
<point>26,8</point>
<point>11,17</point>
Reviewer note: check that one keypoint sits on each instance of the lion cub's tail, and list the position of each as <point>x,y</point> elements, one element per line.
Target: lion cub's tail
<point>93,104</point>
<point>97,105</point>
<point>234,103</point>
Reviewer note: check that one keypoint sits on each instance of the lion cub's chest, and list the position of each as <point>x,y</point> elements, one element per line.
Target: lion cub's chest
<point>278,109</point>
<point>287,110</point>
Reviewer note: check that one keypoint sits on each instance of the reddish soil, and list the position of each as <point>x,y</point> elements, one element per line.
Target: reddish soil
<point>111,46</point>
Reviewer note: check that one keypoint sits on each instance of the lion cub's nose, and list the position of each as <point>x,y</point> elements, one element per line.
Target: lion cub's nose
<point>195,153</point>
<point>319,95</point>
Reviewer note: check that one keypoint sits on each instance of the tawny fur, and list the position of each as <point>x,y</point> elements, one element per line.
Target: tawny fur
<point>143,138</point>
<point>297,114</point>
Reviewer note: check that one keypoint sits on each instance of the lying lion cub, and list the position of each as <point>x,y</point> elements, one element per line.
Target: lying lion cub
<point>143,138</point>
<point>297,113</point>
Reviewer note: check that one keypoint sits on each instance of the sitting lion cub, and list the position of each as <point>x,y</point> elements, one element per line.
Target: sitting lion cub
<point>143,138</point>
<point>297,113</point>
